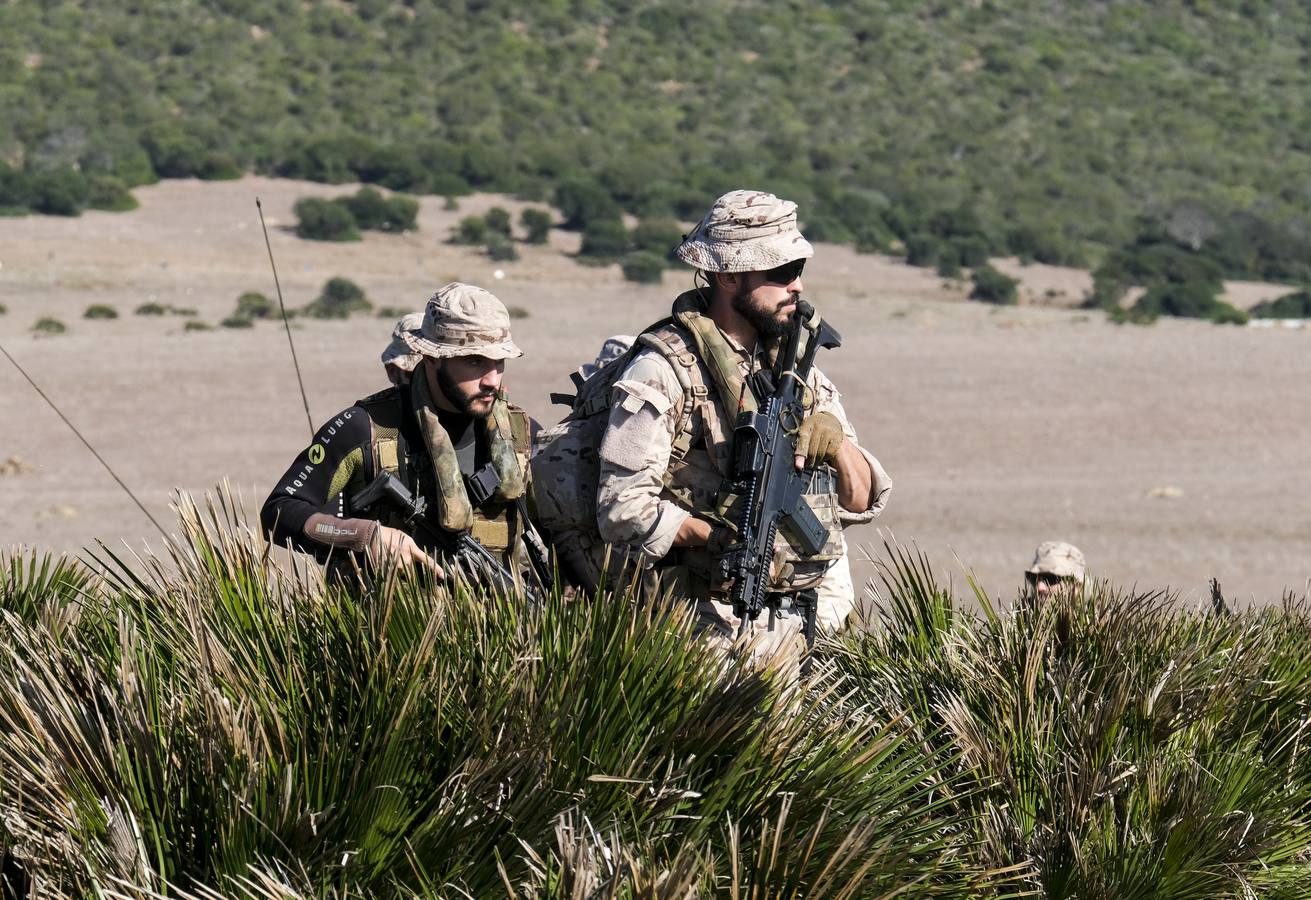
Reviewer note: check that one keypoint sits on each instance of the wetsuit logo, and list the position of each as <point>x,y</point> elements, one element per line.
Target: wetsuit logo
<point>317,453</point>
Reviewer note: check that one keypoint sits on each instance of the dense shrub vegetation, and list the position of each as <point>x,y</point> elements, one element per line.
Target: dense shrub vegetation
<point>340,299</point>
<point>991,286</point>
<point>100,311</point>
<point>1290,306</point>
<point>1037,128</point>
<point>210,724</point>
<point>342,218</point>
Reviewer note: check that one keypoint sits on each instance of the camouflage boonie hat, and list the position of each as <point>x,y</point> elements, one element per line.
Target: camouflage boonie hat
<point>745,231</point>
<point>613,348</point>
<point>1058,558</point>
<point>398,353</point>
<point>463,320</point>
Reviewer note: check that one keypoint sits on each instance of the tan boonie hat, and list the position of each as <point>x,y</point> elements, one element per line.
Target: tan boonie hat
<point>398,353</point>
<point>745,231</point>
<point>1058,558</point>
<point>463,320</point>
<point>614,347</point>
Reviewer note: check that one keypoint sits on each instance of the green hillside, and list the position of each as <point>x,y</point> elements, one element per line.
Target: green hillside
<point>1050,128</point>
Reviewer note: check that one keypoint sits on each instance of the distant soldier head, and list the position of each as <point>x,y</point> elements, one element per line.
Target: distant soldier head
<point>465,341</point>
<point>614,347</point>
<point>1057,566</point>
<point>752,255</point>
<point>398,359</point>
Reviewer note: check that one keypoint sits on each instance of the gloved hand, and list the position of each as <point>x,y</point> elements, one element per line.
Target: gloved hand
<point>818,440</point>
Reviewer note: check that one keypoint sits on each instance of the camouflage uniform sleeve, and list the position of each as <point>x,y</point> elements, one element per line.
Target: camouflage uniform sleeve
<point>828,399</point>
<point>639,436</point>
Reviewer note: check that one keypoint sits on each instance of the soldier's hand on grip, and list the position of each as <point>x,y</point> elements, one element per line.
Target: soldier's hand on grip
<point>394,544</point>
<point>818,440</point>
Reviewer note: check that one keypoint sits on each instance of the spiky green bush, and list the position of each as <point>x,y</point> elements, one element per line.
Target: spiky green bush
<point>219,725</point>
<point>1120,746</point>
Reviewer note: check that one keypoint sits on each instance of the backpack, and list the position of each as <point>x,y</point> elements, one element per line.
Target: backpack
<point>566,462</point>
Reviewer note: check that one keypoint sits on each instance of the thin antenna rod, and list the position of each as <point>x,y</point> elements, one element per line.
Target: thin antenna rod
<point>285,324</point>
<point>72,428</point>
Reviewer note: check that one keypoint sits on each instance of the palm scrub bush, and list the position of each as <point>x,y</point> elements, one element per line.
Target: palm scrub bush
<point>48,325</point>
<point>339,299</point>
<point>1117,745</point>
<point>150,308</point>
<point>260,733</point>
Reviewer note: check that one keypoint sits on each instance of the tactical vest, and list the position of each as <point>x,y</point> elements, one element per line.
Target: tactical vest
<point>566,468</point>
<point>496,526</point>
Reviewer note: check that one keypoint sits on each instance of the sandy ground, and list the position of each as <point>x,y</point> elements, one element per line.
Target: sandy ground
<point>1170,454</point>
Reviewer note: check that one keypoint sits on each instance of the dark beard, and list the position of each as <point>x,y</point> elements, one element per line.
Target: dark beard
<point>767,327</point>
<point>460,400</point>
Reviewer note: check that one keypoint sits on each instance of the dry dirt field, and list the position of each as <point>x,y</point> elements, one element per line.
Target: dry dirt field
<point>1170,454</point>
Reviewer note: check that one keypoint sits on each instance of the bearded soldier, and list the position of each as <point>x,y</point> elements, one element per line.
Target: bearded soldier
<point>666,447</point>
<point>1058,570</point>
<point>447,434</point>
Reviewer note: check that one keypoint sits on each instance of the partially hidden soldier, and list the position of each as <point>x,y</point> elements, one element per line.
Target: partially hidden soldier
<point>399,360</point>
<point>1058,569</point>
<point>448,435</point>
<point>650,434</point>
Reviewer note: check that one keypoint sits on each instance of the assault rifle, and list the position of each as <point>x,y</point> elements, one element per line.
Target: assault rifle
<point>459,550</point>
<point>765,476</point>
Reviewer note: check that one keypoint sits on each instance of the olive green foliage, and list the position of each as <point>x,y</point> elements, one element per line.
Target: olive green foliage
<point>500,248</point>
<point>48,325</point>
<point>254,305</point>
<point>4,310</point>
<point>536,224</point>
<point>197,325</point>
<point>1106,745</point>
<point>660,236</point>
<point>339,299</point>
<point>237,322</point>
<point>1055,124</point>
<point>1296,305</point>
<point>991,286</point>
<point>604,241</point>
<point>518,312</point>
<point>100,311</point>
<point>150,308</point>
<point>391,312</point>
<point>643,267</point>
<point>1181,280</point>
<point>498,221</point>
<point>109,193</point>
<point>318,219</point>
<point>470,230</point>
<point>180,310</point>
<point>375,212</point>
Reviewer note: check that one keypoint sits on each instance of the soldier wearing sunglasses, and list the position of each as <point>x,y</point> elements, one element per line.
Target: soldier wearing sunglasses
<point>1058,568</point>
<point>672,410</point>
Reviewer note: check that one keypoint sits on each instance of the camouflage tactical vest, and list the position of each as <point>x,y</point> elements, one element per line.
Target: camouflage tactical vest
<point>496,524</point>
<point>566,468</point>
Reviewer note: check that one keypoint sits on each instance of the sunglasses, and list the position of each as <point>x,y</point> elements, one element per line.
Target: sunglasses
<point>1045,578</point>
<point>786,273</point>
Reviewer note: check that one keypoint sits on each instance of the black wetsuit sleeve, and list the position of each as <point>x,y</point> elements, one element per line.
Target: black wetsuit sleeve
<point>315,480</point>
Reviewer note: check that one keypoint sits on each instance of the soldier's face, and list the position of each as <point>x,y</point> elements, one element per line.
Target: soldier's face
<point>468,383</point>
<point>1045,586</point>
<point>768,299</point>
